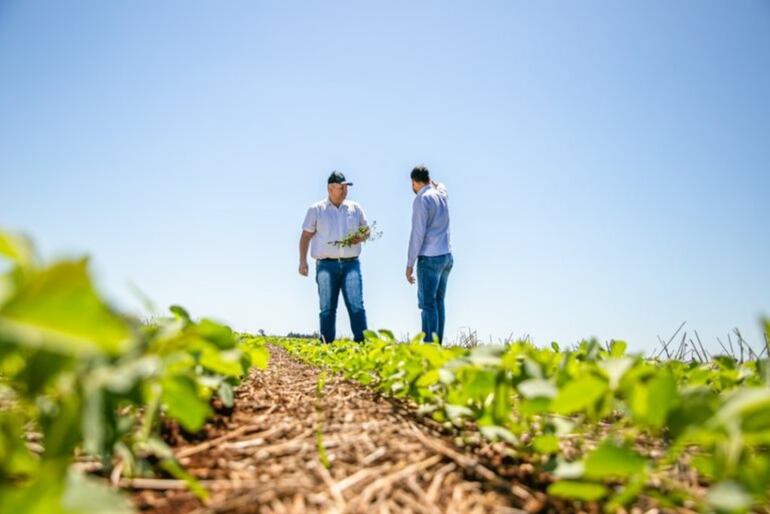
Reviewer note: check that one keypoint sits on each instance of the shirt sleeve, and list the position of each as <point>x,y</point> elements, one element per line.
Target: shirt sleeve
<point>419,222</point>
<point>362,221</point>
<point>309,225</point>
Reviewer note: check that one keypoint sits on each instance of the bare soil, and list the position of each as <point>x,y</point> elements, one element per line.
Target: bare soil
<point>286,447</point>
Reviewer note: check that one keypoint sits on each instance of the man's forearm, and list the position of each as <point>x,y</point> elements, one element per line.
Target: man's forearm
<point>417,235</point>
<point>415,243</point>
<point>304,244</point>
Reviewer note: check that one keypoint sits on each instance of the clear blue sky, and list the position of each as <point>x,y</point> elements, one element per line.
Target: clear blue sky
<point>608,162</point>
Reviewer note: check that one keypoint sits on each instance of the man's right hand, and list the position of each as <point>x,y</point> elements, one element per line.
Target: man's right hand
<point>303,269</point>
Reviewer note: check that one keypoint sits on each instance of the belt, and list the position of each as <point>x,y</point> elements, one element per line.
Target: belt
<point>338,259</point>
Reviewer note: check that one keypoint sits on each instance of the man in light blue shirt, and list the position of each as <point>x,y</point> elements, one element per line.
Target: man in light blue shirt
<point>429,247</point>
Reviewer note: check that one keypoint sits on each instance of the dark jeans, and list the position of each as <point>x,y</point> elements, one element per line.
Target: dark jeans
<point>331,277</point>
<point>432,276</point>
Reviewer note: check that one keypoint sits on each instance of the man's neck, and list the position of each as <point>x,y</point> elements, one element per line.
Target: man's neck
<point>336,204</point>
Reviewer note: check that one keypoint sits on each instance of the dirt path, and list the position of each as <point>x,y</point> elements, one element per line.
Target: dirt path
<point>381,456</point>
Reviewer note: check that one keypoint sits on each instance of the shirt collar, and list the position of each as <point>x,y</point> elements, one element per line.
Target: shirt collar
<point>423,189</point>
<point>329,203</point>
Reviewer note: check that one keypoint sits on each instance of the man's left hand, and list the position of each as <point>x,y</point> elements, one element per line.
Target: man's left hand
<point>410,274</point>
<point>360,238</point>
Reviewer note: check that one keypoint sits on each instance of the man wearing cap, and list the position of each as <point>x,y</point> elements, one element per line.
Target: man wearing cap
<point>429,247</point>
<point>337,268</point>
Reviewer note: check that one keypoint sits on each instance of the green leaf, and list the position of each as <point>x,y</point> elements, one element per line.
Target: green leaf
<point>387,335</point>
<point>181,401</point>
<point>496,433</point>
<point>651,402</point>
<point>750,408</point>
<point>125,376</point>
<point>546,443</point>
<point>40,369</point>
<point>486,355</point>
<point>535,406</point>
<point>418,339</point>
<point>584,491</point>
<point>84,495</point>
<point>729,497</point>
<point>561,426</point>
<point>59,310</point>
<point>613,460</point>
<point>54,490</point>
<point>8,284</point>
<point>697,405</point>
<point>227,362</point>
<point>578,395</point>
<point>38,497</point>
<point>220,335</point>
<point>434,354</point>
<point>628,493</point>
<point>259,356</point>
<point>180,313</point>
<point>17,248</point>
<point>61,427</point>
<point>618,348</point>
<point>93,425</point>
<point>480,383</point>
<point>456,412</point>
<point>15,458</point>
<point>615,369</point>
<point>446,376</point>
<point>706,465</point>
<point>157,447</point>
<point>532,369</point>
<point>428,379</point>
<point>569,470</point>
<point>726,362</point>
<point>537,388</point>
<point>225,393</point>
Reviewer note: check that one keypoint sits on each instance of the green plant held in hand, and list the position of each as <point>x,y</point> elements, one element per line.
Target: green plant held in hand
<point>363,234</point>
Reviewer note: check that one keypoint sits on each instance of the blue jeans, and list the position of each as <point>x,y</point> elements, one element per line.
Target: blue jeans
<point>432,276</point>
<point>331,277</point>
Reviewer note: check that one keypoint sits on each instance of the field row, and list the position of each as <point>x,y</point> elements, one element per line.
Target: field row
<point>603,425</point>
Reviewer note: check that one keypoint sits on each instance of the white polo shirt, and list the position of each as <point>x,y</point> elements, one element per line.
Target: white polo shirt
<point>331,223</point>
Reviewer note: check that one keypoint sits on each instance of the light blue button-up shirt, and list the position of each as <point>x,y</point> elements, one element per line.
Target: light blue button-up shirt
<point>430,224</point>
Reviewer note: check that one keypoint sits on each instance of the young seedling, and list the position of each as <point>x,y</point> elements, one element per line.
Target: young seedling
<point>360,235</point>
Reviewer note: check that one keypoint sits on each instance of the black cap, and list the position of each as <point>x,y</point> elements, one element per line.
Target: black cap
<point>338,178</point>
